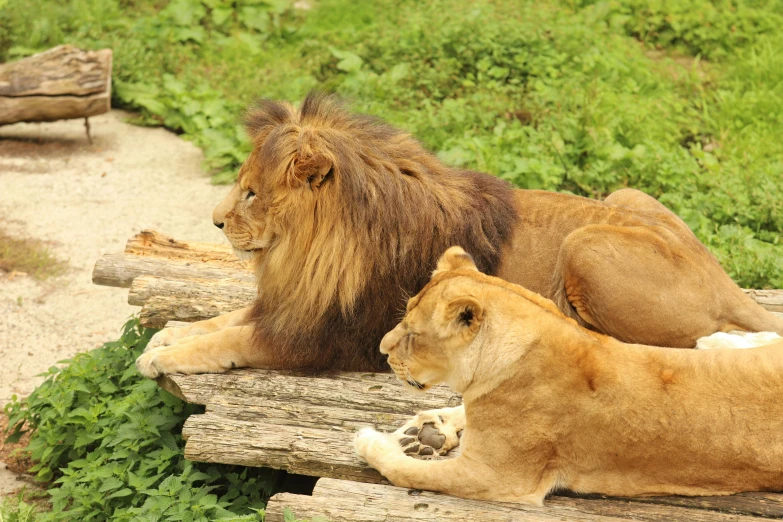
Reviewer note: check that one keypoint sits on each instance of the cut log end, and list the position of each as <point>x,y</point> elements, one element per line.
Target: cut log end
<point>58,84</point>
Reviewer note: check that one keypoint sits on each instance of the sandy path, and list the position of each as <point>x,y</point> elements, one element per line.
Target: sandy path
<point>86,200</point>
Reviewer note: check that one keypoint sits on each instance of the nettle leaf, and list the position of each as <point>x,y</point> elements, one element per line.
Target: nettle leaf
<point>349,62</point>
<point>111,483</point>
<point>124,492</point>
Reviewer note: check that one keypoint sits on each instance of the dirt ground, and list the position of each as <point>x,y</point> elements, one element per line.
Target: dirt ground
<point>86,200</point>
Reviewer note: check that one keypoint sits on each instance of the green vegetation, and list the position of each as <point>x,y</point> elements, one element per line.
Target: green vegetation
<point>109,440</point>
<point>16,510</point>
<point>681,99</point>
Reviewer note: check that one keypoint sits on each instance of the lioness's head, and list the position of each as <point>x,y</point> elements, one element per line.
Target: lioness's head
<point>440,324</point>
<point>465,326</point>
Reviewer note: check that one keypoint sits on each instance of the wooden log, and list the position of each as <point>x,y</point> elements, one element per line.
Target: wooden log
<point>187,300</point>
<point>61,83</point>
<point>746,505</point>
<point>121,269</point>
<point>152,243</point>
<point>179,299</point>
<point>772,300</point>
<point>376,392</point>
<point>304,451</point>
<point>340,500</point>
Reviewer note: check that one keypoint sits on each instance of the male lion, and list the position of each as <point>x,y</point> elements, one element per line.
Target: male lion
<point>549,404</point>
<point>346,216</point>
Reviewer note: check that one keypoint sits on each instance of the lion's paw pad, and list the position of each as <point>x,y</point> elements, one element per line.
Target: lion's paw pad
<point>428,440</point>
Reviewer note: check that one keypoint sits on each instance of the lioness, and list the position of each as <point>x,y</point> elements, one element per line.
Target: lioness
<point>345,216</point>
<point>550,404</point>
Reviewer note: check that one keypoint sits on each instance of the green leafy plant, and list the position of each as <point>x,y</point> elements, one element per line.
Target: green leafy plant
<point>109,440</point>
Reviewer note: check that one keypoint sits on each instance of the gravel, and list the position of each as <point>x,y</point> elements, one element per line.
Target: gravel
<point>86,200</point>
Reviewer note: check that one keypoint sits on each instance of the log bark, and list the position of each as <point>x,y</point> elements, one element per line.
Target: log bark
<point>61,83</point>
<point>187,300</point>
<point>374,392</point>
<point>121,269</point>
<point>153,243</point>
<point>340,500</point>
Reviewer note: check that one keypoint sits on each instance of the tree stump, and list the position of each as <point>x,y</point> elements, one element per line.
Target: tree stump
<point>58,84</point>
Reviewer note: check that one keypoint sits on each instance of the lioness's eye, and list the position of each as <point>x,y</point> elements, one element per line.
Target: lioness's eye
<point>250,194</point>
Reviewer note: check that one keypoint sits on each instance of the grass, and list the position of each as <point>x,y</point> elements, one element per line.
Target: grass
<point>28,256</point>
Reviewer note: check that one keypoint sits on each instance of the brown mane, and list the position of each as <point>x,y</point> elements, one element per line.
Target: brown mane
<point>366,237</point>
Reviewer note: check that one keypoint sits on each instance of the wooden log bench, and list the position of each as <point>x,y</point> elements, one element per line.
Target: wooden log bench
<point>305,424</point>
<point>61,83</point>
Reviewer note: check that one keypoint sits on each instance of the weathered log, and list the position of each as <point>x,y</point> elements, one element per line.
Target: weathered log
<point>187,300</point>
<point>61,83</point>
<point>772,300</point>
<point>152,243</point>
<point>340,500</point>
<point>304,451</point>
<point>121,269</point>
<point>374,392</point>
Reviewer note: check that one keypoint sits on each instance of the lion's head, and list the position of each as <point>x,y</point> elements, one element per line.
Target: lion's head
<point>344,215</point>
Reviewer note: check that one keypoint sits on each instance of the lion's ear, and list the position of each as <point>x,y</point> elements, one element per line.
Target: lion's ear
<point>465,312</point>
<point>313,170</point>
<point>455,258</point>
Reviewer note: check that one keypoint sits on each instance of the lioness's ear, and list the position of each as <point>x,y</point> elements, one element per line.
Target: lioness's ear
<point>465,312</point>
<point>455,258</point>
<point>313,170</point>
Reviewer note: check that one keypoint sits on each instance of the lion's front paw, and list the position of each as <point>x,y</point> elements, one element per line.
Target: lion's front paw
<point>147,367</point>
<point>182,356</point>
<point>170,336</point>
<point>428,434</point>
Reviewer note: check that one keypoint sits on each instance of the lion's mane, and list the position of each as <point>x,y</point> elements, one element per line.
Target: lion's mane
<point>353,249</point>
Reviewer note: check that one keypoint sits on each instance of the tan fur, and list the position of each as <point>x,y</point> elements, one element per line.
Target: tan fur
<point>346,216</point>
<point>549,404</point>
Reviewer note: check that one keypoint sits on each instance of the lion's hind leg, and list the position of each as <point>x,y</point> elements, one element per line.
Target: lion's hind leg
<point>642,284</point>
<point>432,432</point>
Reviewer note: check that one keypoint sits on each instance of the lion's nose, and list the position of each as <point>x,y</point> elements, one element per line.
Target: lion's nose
<point>217,224</point>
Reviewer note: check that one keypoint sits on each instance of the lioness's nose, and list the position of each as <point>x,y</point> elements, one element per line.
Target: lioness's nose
<point>218,224</point>
<point>390,340</point>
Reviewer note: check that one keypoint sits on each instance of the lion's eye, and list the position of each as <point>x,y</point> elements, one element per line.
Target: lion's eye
<point>250,194</point>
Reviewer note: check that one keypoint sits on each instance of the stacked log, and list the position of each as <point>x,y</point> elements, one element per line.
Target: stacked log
<point>58,84</point>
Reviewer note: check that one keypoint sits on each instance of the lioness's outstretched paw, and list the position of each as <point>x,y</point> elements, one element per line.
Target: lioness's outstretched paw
<point>430,433</point>
<point>374,446</point>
